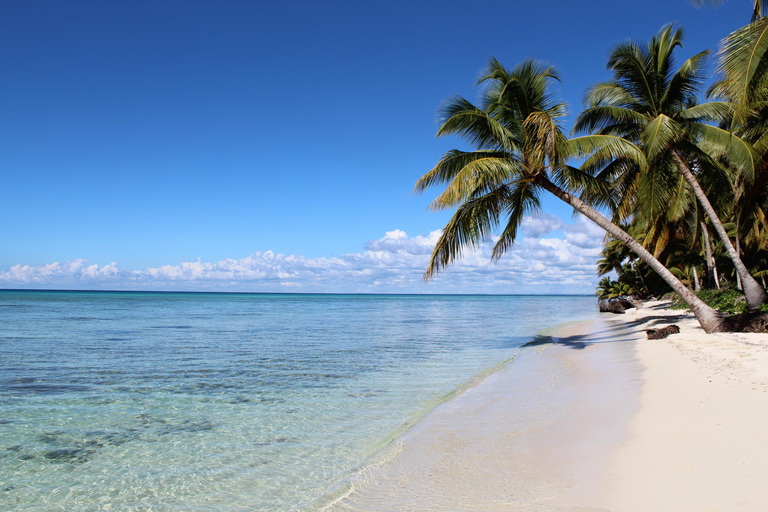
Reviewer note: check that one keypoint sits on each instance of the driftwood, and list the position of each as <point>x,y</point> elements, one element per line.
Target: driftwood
<point>660,334</point>
<point>617,306</point>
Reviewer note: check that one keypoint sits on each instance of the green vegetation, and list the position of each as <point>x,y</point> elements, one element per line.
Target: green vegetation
<point>684,181</point>
<point>728,301</point>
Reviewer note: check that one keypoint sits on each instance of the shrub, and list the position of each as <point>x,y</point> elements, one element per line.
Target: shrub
<point>727,300</point>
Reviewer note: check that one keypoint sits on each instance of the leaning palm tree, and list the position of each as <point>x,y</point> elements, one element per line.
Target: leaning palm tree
<point>743,65</point>
<point>655,107</point>
<point>521,152</point>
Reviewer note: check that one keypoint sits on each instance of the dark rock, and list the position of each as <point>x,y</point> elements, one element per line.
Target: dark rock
<point>617,306</point>
<point>626,304</point>
<point>660,334</point>
<point>609,306</point>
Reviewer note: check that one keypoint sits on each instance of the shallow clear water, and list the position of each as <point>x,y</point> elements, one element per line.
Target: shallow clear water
<point>149,401</point>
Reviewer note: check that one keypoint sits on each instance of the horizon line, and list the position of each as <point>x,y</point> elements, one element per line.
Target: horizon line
<point>297,293</point>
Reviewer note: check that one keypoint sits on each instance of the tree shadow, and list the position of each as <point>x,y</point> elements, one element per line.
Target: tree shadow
<point>551,340</point>
<point>653,321</point>
<point>611,334</point>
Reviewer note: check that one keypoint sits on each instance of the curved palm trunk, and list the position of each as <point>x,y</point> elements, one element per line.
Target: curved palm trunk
<point>709,319</point>
<point>753,292</point>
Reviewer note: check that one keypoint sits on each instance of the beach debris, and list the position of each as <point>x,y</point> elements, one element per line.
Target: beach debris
<point>617,306</point>
<point>660,334</point>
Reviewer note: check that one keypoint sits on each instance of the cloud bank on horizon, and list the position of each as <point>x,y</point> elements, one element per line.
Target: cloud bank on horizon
<point>540,262</point>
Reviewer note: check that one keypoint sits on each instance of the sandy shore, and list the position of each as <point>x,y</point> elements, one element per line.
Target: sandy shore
<point>699,441</point>
<point>601,420</point>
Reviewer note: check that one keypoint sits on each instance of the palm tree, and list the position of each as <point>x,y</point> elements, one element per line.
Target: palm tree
<point>743,70</point>
<point>613,255</point>
<point>603,291</point>
<point>521,151</point>
<point>743,64</point>
<point>655,107</point>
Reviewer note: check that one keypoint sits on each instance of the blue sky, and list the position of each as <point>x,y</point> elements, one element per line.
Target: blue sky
<point>147,135</point>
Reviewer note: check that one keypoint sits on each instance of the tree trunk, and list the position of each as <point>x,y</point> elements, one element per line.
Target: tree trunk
<point>738,251</point>
<point>753,292</point>
<point>717,276</point>
<point>709,319</point>
<point>642,279</point>
<point>697,286</point>
<point>710,261</point>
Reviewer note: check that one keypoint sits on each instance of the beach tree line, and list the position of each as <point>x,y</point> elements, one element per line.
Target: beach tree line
<point>677,182</point>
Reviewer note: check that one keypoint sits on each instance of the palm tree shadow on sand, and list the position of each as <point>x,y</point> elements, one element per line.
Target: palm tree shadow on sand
<point>608,334</point>
<point>573,342</point>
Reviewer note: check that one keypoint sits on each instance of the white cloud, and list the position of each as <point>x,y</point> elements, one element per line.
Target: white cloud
<point>584,233</point>
<point>398,241</point>
<point>541,225</point>
<point>393,263</point>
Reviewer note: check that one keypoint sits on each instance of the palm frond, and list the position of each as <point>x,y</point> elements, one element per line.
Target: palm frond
<point>722,143</point>
<point>682,88</point>
<point>547,137</point>
<point>477,178</point>
<point>469,226</point>
<point>451,164</point>
<point>716,111</point>
<point>604,148</point>
<point>523,199</point>
<point>608,93</point>
<point>744,64</point>
<point>660,134</point>
<point>600,117</point>
<point>462,118</point>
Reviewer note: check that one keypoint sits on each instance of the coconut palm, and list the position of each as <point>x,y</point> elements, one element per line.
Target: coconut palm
<point>521,152</point>
<point>743,66</point>
<point>613,255</point>
<point>654,106</point>
<point>743,69</point>
<point>603,291</point>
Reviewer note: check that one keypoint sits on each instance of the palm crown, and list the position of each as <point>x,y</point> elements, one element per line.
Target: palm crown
<point>515,128</point>
<point>521,150</point>
<point>654,105</point>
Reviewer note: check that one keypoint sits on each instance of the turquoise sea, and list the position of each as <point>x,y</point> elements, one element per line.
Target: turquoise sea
<point>133,401</point>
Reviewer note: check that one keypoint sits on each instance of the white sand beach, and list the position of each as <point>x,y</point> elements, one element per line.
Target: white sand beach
<point>602,420</point>
<point>699,441</point>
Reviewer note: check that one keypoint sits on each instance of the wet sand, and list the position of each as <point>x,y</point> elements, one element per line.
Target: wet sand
<point>526,437</point>
<point>600,420</point>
